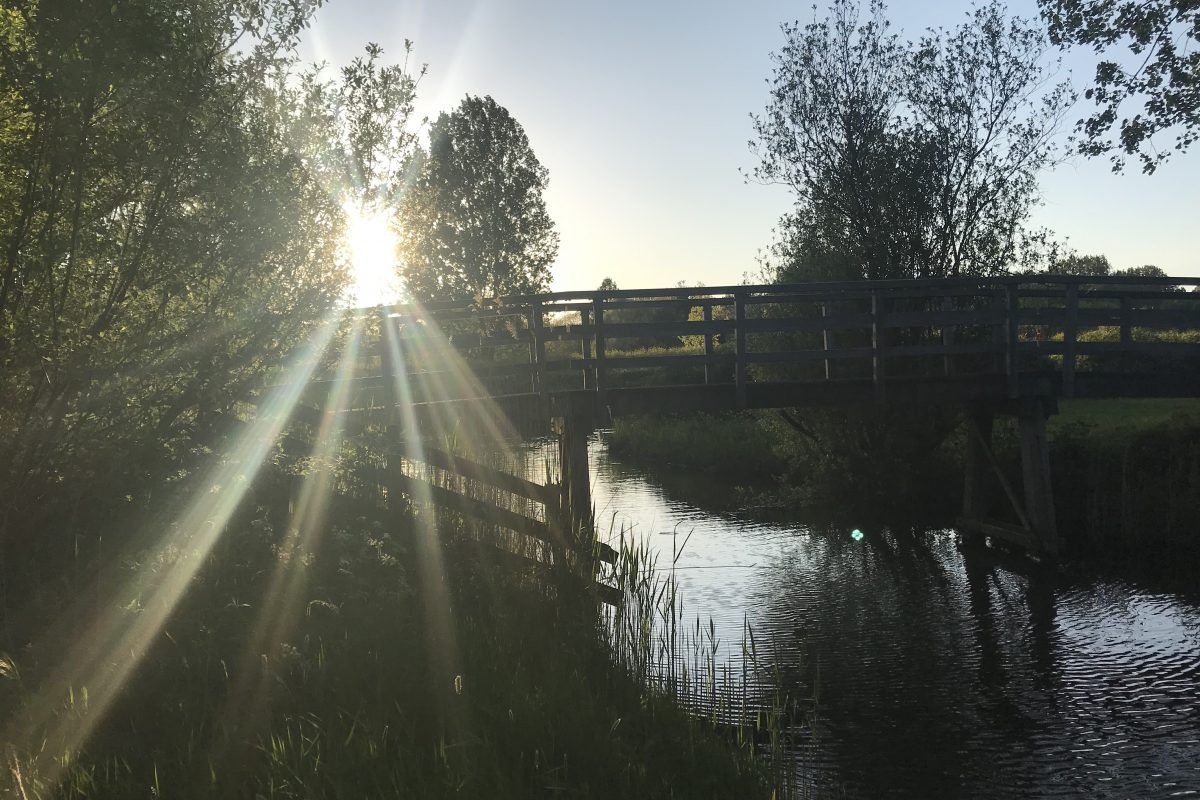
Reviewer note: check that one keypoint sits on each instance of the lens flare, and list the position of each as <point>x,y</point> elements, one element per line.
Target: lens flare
<point>371,241</point>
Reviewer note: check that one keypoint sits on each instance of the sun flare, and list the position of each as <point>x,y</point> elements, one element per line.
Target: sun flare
<point>371,242</point>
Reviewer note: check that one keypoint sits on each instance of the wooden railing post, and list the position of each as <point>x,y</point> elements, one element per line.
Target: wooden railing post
<point>947,335</point>
<point>1012,363</point>
<point>709,367</point>
<point>585,316</point>
<point>1070,335</point>
<point>739,348</point>
<point>598,321</point>
<point>877,365</point>
<point>1126,327</point>
<point>537,346</point>
<point>826,341</point>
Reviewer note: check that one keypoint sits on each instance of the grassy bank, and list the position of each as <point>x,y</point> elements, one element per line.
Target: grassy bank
<point>1126,472</point>
<point>728,444</point>
<point>1127,478</point>
<point>355,664</point>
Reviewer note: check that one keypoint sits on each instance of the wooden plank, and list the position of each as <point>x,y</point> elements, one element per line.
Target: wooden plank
<point>1012,363</point>
<point>452,462</point>
<point>826,339</point>
<point>585,345</point>
<point>753,293</point>
<point>537,351</point>
<point>877,362</point>
<point>599,379</point>
<point>947,335</point>
<point>709,365</point>
<point>984,446</point>
<point>419,489</point>
<point>1002,531</point>
<point>739,368</point>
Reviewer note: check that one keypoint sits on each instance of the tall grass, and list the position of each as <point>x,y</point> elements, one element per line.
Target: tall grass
<point>538,692</point>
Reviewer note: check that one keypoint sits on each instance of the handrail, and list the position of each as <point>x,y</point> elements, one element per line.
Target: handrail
<point>958,326</point>
<point>508,302</point>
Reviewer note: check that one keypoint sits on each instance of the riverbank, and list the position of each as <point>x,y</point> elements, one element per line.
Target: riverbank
<point>1126,472</point>
<point>358,663</point>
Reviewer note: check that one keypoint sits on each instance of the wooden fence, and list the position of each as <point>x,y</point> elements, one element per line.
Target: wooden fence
<point>881,331</point>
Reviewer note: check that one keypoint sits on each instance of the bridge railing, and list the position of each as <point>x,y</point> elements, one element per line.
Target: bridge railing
<point>875,333</point>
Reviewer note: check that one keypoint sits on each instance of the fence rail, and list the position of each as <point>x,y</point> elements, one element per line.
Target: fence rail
<point>883,331</point>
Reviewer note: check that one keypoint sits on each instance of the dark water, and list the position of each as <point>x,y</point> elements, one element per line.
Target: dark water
<point>942,673</point>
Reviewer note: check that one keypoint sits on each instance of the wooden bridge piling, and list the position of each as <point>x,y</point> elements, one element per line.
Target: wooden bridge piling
<point>574,422</point>
<point>1036,530</point>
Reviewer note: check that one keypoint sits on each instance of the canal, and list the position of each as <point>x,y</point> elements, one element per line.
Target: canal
<point>941,672</point>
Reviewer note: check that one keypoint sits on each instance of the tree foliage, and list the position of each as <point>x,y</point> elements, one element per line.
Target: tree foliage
<point>908,159</point>
<point>163,234</point>
<point>1163,38</point>
<point>474,222</point>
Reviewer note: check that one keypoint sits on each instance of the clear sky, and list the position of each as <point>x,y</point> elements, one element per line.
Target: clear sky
<point>641,112</point>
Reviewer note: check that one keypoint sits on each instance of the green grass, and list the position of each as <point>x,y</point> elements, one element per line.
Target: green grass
<point>366,687</point>
<point>1124,416</point>
<point>730,444</point>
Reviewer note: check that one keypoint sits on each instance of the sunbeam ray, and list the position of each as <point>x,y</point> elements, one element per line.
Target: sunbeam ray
<point>97,666</point>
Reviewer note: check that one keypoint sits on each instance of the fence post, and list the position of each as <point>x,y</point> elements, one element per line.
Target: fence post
<point>1070,334</point>
<point>739,348</point>
<point>947,335</point>
<point>585,346</point>
<point>877,364</point>
<point>598,322</point>
<point>1012,364</point>
<point>1126,327</point>
<point>709,372</point>
<point>537,346</point>
<point>826,340</point>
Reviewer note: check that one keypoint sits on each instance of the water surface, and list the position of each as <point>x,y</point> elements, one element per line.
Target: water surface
<point>942,672</point>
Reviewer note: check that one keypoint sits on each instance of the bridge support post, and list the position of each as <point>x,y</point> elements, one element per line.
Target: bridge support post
<point>574,421</point>
<point>977,494</point>
<point>1037,531</point>
<point>1035,473</point>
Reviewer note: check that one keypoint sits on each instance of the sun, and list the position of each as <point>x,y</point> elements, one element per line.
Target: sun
<point>371,242</point>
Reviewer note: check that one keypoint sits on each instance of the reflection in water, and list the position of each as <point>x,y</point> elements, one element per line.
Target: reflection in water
<point>943,672</point>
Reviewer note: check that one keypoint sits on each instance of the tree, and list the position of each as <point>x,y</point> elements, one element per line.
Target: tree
<point>1082,265</point>
<point>1163,36</point>
<point>359,130</point>
<point>908,160</point>
<point>474,222</point>
<point>163,240</point>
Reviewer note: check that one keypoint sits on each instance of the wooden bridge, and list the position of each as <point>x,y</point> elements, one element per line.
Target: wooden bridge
<point>572,361</point>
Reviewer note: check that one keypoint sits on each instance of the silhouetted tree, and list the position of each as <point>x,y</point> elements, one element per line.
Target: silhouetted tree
<point>1075,264</point>
<point>1162,36</point>
<point>163,237</point>
<point>907,160</point>
<point>474,222</point>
